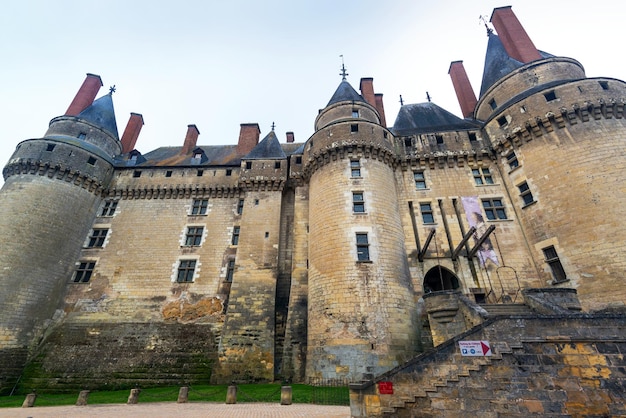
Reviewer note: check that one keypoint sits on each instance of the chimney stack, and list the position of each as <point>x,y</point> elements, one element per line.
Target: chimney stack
<point>85,96</point>
<point>514,38</point>
<point>464,92</point>
<point>290,137</point>
<point>131,133</point>
<point>367,90</point>
<point>381,109</point>
<point>190,139</point>
<point>248,138</point>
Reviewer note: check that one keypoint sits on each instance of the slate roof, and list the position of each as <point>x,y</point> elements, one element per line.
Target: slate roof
<point>101,114</point>
<point>498,63</point>
<point>268,148</point>
<point>345,92</point>
<point>428,117</point>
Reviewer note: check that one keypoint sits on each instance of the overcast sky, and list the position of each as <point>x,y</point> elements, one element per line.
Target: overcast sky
<point>220,64</point>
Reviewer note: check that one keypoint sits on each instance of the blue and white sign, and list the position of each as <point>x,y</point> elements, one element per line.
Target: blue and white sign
<point>475,348</point>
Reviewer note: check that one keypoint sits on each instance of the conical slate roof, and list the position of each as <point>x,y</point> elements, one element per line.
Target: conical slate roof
<point>101,114</point>
<point>345,92</point>
<point>427,117</point>
<point>268,148</point>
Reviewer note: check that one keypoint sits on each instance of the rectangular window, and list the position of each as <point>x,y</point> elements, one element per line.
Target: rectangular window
<point>502,121</point>
<point>186,270</point>
<point>358,203</point>
<point>199,206</point>
<point>49,147</point>
<point>482,176</point>
<point>420,180</point>
<point>355,113</point>
<point>84,271</point>
<point>200,173</point>
<point>298,160</point>
<point>168,173</point>
<point>248,165</point>
<point>230,271</point>
<point>276,165</point>
<point>194,236</point>
<point>439,139</point>
<point>604,85</point>
<point>550,95</point>
<point>472,136</point>
<point>91,161</point>
<point>362,247</point>
<point>525,194</point>
<point>240,207</point>
<point>492,104</point>
<point>354,128</point>
<point>82,135</point>
<point>494,209</point>
<point>552,258</point>
<point>136,173</point>
<point>355,168</point>
<point>235,239</point>
<point>427,213</point>
<point>229,172</point>
<point>511,160</point>
<point>109,208</point>
<point>97,237</point>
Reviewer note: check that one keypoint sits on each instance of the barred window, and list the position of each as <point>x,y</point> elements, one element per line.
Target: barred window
<point>84,271</point>
<point>97,237</point>
<point>186,270</point>
<point>494,209</point>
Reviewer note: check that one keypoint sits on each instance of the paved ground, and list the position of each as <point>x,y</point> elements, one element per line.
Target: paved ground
<point>172,409</point>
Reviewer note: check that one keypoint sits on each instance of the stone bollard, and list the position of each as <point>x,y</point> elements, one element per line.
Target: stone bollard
<point>231,395</point>
<point>29,402</point>
<point>183,394</point>
<point>133,398</point>
<point>83,396</point>
<point>285,395</point>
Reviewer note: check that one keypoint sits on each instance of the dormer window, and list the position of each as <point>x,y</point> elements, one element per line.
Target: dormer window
<point>198,155</point>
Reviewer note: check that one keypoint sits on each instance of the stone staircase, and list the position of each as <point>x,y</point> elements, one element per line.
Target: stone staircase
<point>507,309</point>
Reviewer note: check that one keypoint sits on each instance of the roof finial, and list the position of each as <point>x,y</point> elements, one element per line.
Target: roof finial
<point>343,72</point>
<point>428,97</point>
<point>401,101</point>
<point>273,126</point>
<point>483,20</point>
<point>112,89</point>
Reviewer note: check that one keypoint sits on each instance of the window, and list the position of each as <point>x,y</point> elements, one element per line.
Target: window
<point>248,165</point>
<point>168,173</point>
<point>197,155</point>
<point>362,247</point>
<point>525,194</point>
<point>408,142</point>
<point>186,270</point>
<point>502,121</point>
<point>358,202</point>
<point>355,168</point>
<point>97,237</point>
<point>82,135</point>
<point>494,209</point>
<point>230,271</point>
<point>420,180</point>
<point>604,85</point>
<point>472,136</point>
<point>298,160</point>
<point>194,236</point>
<point>109,208</point>
<point>355,113</point>
<point>552,258</point>
<point>229,172</point>
<point>482,176</point>
<point>199,206</point>
<point>439,139</point>
<point>427,213</point>
<point>511,160</point>
<point>49,147</point>
<point>550,95</point>
<point>240,207</point>
<point>136,173</point>
<point>235,238</point>
<point>256,202</point>
<point>84,271</point>
<point>354,128</point>
<point>200,173</point>
<point>277,164</point>
<point>492,104</point>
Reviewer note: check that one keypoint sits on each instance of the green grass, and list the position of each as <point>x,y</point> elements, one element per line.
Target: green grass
<point>202,393</point>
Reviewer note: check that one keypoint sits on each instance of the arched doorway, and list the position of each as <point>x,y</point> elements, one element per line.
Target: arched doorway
<point>440,278</point>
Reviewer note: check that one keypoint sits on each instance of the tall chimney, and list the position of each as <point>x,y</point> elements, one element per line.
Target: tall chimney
<point>190,139</point>
<point>290,137</point>
<point>381,108</point>
<point>248,137</point>
<point>514,38</point>
<point>367,90</point>
<point>86,94</point>
<point>464,92</point>
<point>131,133</point>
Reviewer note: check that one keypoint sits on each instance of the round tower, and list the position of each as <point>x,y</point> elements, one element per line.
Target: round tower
<point>361,319</point>
<point>53,187</point>
<point>560,137</point>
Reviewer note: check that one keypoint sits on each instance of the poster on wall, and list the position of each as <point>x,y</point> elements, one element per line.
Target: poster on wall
<point>473,211</point>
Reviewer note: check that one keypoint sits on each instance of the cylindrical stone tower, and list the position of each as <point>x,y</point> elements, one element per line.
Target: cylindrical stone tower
<point>361,319</point>
<point>53,187</point>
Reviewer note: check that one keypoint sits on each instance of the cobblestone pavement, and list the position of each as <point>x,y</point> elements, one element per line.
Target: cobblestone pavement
<point>171,409</point>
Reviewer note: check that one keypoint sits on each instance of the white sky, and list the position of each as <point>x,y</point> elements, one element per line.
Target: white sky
<point>219,64</point>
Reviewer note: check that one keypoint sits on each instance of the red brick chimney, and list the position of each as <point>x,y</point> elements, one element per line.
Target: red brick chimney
<point>190,139</point>
<point>516,41</point>
<point>86,94</point>
<point>381,109</point>
<point>248,137</point>
<point>290,137</point>
<point>367,90</point>
<point>131,133</point>
<point>464,92</point>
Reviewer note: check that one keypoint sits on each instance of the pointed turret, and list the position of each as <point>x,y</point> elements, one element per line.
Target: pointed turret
<point>269,148</point>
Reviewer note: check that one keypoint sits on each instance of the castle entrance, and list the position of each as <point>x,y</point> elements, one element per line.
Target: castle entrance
<point>440,278</point>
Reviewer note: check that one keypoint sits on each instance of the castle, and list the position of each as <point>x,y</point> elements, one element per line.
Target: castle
<point>267,259</point>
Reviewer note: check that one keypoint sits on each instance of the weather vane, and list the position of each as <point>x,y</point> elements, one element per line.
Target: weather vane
<point>343,72</point>
<point>401,101</point>
<point>273,126</point>
<point>112,89</point>
<point>483,20</point>
<point>428,97</point>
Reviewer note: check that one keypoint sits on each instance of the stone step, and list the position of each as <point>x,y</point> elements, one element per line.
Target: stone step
<point>507,309</point>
